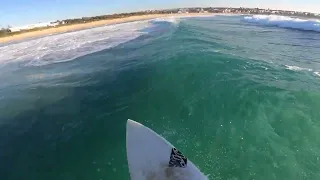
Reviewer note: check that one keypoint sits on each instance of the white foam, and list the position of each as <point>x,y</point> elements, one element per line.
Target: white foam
<point>68,46</point>
<point>317,73</point>
<point>285,22</point>
<point>297,68</point>
<point>172,19</point>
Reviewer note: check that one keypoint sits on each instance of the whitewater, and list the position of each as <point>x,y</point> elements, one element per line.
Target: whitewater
<point>68,46</point>
<point>64,47</point>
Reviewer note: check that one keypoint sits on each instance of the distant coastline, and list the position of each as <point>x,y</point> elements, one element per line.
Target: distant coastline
<point>62,26</point>
<point>69,27</point>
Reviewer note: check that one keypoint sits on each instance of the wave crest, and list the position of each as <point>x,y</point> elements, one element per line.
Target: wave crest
<point>173,20</point>
<point>285,22</point>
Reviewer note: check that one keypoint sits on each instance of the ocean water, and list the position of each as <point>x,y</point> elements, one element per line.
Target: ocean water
<point>239,96</point>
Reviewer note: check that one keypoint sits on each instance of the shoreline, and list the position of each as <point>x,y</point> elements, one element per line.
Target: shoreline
<point>83,26</point>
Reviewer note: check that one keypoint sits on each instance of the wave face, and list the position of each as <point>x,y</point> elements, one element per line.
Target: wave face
<point>68,46</point>
<point>284,22</point>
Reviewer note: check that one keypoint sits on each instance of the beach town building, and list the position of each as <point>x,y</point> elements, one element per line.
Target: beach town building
<point>183,11</point>
<point>202,11</point>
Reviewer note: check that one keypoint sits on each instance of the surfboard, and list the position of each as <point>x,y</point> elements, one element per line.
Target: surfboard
<point>151,157</point>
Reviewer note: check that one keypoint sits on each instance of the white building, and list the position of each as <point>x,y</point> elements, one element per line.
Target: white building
<point>32,26</point>
<point>202,11</point>
<point>183,11</point>
<point>227,11</point>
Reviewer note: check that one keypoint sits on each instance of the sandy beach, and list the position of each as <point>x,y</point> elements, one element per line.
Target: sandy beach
<point>75,27</point>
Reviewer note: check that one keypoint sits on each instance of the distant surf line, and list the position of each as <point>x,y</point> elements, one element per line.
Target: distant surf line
<point>284,22</point>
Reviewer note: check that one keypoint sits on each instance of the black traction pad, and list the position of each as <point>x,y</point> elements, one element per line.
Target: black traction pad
<point>177,159</point>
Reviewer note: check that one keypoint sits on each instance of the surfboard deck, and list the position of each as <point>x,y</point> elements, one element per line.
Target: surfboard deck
<point>151,157</point>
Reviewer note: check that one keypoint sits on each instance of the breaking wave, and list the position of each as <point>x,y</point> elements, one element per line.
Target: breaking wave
<point>68,46</point>
<point>285,22</point>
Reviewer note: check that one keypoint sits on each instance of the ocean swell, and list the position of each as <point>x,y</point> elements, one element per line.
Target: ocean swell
<point>285,22</point>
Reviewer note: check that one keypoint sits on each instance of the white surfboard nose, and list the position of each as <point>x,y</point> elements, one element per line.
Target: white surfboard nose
<point>129,124</point>
<point>132,123</point>
<point>132,128</point>
<point>149,156</point>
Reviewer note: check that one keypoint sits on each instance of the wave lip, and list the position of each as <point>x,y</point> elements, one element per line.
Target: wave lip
<point>285,22</point>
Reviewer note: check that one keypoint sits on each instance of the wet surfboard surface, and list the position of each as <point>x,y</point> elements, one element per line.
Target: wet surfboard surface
<point>151,157</point>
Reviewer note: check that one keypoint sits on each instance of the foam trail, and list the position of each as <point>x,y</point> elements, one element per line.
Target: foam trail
<point>173,20</point>
<point>68,46</point>
<point>285,22</point>
<point>297,68</point>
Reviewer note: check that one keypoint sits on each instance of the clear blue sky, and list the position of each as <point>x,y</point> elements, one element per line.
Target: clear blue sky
<point>22,12</point>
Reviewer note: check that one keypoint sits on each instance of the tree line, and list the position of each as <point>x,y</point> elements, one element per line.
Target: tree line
<point>114,16</point>
<point>4,32</point>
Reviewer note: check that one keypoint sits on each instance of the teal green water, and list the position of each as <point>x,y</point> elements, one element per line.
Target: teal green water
<point>241,101</point>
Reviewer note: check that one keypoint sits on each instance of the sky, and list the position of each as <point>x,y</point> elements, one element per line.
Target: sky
<point>23,12</point>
